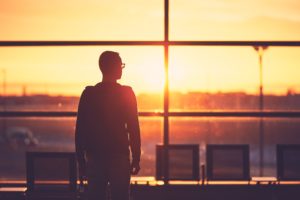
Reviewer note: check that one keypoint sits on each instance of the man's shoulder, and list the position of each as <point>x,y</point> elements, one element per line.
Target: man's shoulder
<point>126,87</point>
<point>127,90</point>
<point>87,90</point>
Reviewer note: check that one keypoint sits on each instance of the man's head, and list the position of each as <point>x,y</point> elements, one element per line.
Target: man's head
<point>111,65</point>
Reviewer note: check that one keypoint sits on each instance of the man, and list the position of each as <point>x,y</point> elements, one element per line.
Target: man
<point>107,127</point>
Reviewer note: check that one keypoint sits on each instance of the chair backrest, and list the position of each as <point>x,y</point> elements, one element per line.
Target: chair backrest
<point>227,162</point>
<point>182,161</point>
<point>51,171</point>
<point>288,162</point>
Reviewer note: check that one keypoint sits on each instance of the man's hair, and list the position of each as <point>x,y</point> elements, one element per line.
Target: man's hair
<point>108,60</point>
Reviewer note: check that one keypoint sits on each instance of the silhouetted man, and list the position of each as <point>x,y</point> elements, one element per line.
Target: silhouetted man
<point>107,127</point>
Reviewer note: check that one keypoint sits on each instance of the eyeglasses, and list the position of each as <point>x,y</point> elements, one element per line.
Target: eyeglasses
<point>123,65</point>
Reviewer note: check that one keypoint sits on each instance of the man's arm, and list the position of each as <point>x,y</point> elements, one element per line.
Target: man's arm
<point>79,136</point>
<point>134,132</point>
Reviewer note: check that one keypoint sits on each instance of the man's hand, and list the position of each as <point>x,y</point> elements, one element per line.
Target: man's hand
<point>135,168</point>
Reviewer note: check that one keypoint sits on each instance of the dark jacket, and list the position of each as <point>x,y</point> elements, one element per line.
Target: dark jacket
<point>107,122</point>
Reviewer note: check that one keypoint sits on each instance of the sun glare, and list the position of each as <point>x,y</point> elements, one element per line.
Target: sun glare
<point>154,75</point>
<point>176,74</point>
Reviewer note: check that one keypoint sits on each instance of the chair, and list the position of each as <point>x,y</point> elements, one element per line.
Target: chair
<point>288,162</point>
<point>227,162</point>
<point>182,162</point>
<point>51,175</point>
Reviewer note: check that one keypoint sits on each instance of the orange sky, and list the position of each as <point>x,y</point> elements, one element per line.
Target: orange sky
<point>66,70</point>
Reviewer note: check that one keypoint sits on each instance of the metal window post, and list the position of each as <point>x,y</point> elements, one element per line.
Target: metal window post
<point>166,92</point>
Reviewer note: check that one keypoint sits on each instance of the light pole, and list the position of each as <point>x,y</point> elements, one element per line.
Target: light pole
<point>260,50</point>
<point>4,89</point>
<point>4,102</point>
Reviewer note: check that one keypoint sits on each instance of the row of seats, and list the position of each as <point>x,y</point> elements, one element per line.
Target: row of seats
<point>49,171</point>
<point>223,162</point>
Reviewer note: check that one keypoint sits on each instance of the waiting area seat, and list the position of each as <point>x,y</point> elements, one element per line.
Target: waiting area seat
<point>226,162</point>
<point>182,161</point>
<point>51,175</point>
<point>288,162</point>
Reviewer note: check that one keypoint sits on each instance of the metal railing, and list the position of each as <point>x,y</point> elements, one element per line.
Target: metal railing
<point>255,114</point>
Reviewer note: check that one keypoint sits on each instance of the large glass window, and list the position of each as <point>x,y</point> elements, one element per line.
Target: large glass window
<point>234,20</point>
<point>81,20</point>
<point>280,75</point>
<point>21,134</point>
<point>211,78</point>
<point>68,70</point>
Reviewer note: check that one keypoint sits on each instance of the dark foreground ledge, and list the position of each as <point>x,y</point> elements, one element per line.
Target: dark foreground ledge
<point>192,192</point>
<point>210,192</point>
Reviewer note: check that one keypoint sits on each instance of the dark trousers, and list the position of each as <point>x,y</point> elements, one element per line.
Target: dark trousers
<point>114,171</point>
